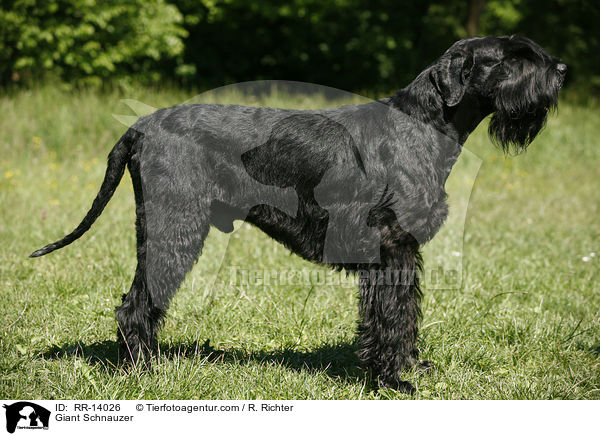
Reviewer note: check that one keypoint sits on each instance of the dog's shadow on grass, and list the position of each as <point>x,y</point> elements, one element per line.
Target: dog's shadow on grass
<point>337,361</point>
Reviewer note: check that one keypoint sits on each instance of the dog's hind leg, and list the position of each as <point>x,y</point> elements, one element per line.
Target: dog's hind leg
<point>390,311</point>
<point>163,263</point>
<point>170,236</point>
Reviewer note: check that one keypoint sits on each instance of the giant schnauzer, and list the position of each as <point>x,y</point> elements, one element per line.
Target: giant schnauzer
<point>359,187</point>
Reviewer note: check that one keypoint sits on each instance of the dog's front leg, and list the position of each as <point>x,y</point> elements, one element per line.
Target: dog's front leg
<point>390,311</point>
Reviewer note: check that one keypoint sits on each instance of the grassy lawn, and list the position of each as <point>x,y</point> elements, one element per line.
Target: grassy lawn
<point>524,323</point>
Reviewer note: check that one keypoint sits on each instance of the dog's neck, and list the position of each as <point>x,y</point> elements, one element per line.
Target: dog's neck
<point>421,101</point>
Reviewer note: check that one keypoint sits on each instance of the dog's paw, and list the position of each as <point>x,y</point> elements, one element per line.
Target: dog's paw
<point>398,385</point>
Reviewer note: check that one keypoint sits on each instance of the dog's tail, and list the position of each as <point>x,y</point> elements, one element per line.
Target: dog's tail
<point>117,161</point>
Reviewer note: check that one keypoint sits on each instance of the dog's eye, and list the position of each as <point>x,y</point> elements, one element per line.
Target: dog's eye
<point>488,62</point>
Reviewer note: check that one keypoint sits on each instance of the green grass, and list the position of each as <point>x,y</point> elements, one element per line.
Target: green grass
<point>524,323</point>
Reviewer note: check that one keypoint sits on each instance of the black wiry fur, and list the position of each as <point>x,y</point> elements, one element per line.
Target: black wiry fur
<point>357,187</point>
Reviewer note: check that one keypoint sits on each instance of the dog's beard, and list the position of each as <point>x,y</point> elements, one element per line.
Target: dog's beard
<point>522,108</point>
<point>514,131</point>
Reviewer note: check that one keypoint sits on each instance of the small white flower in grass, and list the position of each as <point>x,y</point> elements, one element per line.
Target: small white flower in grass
<point>586,258</point>
<point>592,254</point>
<point>456,253</point>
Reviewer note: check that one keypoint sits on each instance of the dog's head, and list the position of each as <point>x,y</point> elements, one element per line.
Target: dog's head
<point>510,77</point>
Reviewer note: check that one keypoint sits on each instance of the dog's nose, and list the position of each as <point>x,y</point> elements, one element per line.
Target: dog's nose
<point>562,68</point>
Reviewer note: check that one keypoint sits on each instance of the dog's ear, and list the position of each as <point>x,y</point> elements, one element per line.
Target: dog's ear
<point>450,75</point>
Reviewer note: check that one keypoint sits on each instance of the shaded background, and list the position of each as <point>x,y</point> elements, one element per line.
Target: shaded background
<point>356,45</point>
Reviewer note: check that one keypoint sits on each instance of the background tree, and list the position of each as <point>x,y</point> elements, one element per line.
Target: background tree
<point>86,40</point>
<point>358,45</point>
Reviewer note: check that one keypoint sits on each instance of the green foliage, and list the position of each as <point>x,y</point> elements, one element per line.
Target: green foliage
<point>87,40</point>
<point>360,45</point>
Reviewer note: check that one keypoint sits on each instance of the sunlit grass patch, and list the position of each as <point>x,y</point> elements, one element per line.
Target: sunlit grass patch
<point>523,324</point>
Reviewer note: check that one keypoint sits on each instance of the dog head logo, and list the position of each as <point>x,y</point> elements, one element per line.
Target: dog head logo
<point>26,415</point>
<point>315,184</point>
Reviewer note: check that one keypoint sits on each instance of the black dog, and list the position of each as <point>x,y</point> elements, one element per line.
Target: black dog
<point>357,187</point>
